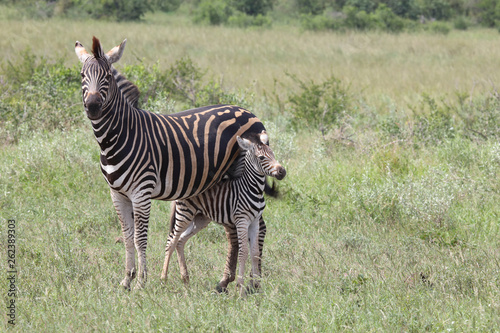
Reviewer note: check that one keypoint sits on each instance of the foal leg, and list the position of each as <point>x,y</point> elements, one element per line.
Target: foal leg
<point>255,252</point>
<point>181,220</point>
<point>232,258</point>
<point>199,223</point>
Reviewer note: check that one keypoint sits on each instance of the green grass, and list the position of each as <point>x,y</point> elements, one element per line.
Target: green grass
<point>387,68</point>
<point>388,222</point>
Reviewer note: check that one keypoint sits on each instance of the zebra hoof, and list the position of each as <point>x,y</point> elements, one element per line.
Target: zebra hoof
<point>220,289</point>
<point>125,284</point>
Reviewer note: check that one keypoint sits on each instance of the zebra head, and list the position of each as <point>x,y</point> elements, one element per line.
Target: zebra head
<point>261,156</point>
<point>97,75</point>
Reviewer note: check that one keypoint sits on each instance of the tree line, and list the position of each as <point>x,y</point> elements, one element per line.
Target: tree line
<point>391,15</point>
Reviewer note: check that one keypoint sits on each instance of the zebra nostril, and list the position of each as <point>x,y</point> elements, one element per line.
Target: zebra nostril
<point>281,173</point>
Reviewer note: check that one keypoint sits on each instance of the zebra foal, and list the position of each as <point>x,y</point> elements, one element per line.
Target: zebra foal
<point>237,204</point>
<point>146,156</point>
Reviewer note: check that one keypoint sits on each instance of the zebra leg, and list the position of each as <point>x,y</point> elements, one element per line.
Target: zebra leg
<point>242,227</point>
<point>142,208</point>
<point>262,236</point>
<point>232,255</point>
<point>199,223</point>
<point>232,258</point>
<point>255,251</point>
<point>181,220</point>
<point>124,209</point>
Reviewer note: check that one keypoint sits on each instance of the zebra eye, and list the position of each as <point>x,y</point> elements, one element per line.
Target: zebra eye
<point>261,157</point>
<point>82,74</point>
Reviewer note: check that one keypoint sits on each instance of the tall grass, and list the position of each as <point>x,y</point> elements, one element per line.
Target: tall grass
<point>386,67</point>
<point>387,220</point>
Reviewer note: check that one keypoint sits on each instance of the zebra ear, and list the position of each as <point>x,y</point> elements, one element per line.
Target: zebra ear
<point>97,48</point>
<point>80,51</point>
<point>264,138</point>
<point>244,143</point>
<point>116,52</point>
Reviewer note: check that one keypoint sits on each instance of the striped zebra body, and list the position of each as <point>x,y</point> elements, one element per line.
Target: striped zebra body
<point>147,156</point>
<point>237,204</point>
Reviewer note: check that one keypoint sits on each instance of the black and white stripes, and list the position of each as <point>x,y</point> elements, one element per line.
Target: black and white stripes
<point>147,156</point>
<point>237,204</point>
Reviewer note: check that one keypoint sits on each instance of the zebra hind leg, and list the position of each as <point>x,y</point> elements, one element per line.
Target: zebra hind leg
<point>255,254</point>
<point>255,284</point>
<point>124,209</point>
<point>199,223</point>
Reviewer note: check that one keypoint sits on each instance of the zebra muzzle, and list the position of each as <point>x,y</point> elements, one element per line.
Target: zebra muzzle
<point>280,172</point>
<point>93,105</point>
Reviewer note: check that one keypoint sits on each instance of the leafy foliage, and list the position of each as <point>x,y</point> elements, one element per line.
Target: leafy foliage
<point>317,106</point>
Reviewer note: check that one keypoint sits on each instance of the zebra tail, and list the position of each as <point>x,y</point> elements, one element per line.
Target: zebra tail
<point>271,190</point>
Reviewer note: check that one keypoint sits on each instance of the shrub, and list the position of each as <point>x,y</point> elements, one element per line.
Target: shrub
<point>461,23</point>
<point>358,19</point>
<point>243,20</point>
<point>252,7</point>
<point>433,122</point>
<point>438,27</point>
<point>214,12</point>
<point>387,20</point>
<point>320,22</point>
<point>46,96</point>
<point>317,106</point>
<point>481,117</point>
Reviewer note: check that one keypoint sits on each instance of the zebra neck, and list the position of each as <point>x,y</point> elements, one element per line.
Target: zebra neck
<point>252,177</point>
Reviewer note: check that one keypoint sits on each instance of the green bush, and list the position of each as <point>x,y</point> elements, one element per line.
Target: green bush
<point>461,23</point>
<point>317,106</point>
<point>243,20</point>
<point>387,20</point>
<point>320,22</point>
<point>214,12</point>
<point>252,7</point>
<point>480,117</point>
<point>438,27</point>
<point>358,19</point>
<point>434,123</point>
<point>39,96</point>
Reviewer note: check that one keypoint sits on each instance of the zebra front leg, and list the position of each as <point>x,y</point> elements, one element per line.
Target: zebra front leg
<point>124,209</point>
<point>142,208</point>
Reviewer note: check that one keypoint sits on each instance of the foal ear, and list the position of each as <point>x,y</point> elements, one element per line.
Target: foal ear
<point>80,51</point>
<point>244,143</point>
<point>116,52</point>
<point>264,138</point>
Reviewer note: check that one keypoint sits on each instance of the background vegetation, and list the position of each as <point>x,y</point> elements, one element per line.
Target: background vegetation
<point>389,215</point>
<point>387,15</point>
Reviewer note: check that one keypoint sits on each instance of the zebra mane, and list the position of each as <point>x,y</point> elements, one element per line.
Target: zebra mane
<point>129,90</point>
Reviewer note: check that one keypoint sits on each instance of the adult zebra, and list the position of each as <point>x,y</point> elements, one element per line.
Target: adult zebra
<point>147,156</point>
<point>237,204</point>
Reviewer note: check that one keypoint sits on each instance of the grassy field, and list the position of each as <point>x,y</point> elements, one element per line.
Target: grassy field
<point>387,222</point>
<point>385,67</point>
